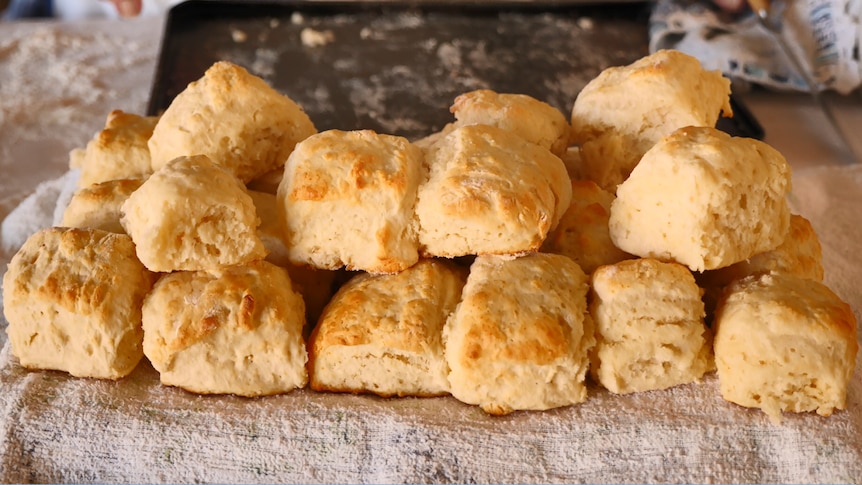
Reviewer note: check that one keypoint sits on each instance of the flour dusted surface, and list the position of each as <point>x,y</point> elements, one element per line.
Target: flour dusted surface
<point>59,82</point>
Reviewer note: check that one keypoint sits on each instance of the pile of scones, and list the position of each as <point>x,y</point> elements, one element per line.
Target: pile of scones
<point>511,260</point>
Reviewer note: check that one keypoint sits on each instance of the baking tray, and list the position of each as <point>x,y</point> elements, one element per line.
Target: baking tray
<point>396,67</point>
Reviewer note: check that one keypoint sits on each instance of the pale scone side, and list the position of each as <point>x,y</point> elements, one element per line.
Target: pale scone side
<point>704,199</point>
<point>650,327</point>
<point>382,334</point>
<point>784,344</point>
<point>191,215</point>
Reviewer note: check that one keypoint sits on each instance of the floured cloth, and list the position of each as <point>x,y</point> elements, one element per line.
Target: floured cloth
<point>826,33</point>
<point>56,428</point>
<point>60,429</point>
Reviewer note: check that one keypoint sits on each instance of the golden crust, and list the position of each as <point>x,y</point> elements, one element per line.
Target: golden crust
<point>119,151</point>
<point>235,119</point>
<point>625,110</point>
<point>232,330</point>
<point>489,192</point>
<point>531,119</point>
<point>583,233</point>
<point>73,301</point>
<point>381,334</point>
<point>347,199</point>
<point>520,346</point>
<point>98,206</point>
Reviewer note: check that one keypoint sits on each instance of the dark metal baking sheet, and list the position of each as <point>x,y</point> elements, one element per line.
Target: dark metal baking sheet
<point>396,67</point>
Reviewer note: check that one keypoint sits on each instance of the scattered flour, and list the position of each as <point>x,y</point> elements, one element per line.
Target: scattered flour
<point>58,84</point>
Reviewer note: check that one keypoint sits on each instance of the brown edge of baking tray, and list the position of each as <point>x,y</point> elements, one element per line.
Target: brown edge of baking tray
<point>395,67</point>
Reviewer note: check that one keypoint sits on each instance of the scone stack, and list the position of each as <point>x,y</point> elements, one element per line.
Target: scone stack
<point>515,260</point>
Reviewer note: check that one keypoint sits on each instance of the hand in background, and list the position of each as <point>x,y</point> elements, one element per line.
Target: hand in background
<point>128,8</point>
<point>732,6</point>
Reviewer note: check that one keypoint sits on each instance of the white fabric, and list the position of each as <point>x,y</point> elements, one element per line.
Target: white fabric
<point>826,34</point>
<point>55,428</point>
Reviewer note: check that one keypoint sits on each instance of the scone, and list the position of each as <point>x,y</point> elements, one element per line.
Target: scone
<point>520,338</point>
<point>268,182</point>
<point>347,199</point>
<point>583,231</point>
<point>625,110</point>
<point>233,330</point>
<point>800,254</point>
<point>98,206</point>
<point>382,334</point>
<point>489,192</point>
<point>784,343</point>
<point>73,299</point>
<point>315,285</point>
<point>531,119</point>
<point>704,199</point>
<point>650,327</point>
<point>234,118</point>
<point>192,215</point>
<point>119,151</point>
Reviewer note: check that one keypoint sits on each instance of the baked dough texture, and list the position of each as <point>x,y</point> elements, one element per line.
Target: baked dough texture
<point>489,192</point>
<point>267,182</point>
<point>348,198</point>
<point>520,338</point>
<point>650,327</point>
<point>625,110</point>
<point>99,206</point>
<point>531,119</point>
<point>119,151</point>
<point>704,199</point>
<point>583,233</point>
<point>522,115</point>
<point>233,330</point>
<point>315,285</point>
<point>73,299</point>
<point>233,117</point>
<point>784,344</point>
<point>192,215</point>
<point>382,334</point>
<point>800,254</point>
